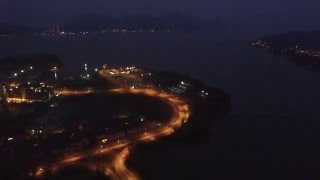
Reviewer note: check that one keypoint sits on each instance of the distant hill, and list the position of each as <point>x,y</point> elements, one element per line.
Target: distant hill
<point>303,47</point>
<point>306,40</point>
<point>40,62</point>
<point>93,22</point>
<point>6,29</point>
<point>97,23</point>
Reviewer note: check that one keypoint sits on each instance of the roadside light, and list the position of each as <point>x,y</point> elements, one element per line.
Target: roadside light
<point>15,74</point>
<point>96,70</point>
<point>39,171</point>
<point>22,71</point>
<point>31,67</point>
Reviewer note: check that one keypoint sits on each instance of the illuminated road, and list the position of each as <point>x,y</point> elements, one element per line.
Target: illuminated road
<point>67,92</point>
<point>119,171</point>
<point>112,174</point>
<point>120,167</point>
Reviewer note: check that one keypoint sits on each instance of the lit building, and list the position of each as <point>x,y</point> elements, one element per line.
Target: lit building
<point>182,87</point>
<point>86,68</point>
<point>28,92</point>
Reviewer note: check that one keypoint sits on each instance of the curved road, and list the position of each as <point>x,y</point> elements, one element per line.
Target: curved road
<point>119,170</point>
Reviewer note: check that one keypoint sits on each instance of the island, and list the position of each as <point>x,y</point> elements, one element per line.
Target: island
<point>301,44</point>
<point>90,124</point>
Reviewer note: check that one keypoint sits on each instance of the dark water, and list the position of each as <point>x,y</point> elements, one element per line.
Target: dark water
<point>273,126</point>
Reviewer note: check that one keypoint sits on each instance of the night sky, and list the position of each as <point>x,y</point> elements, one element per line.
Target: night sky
<point>272,12</point>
